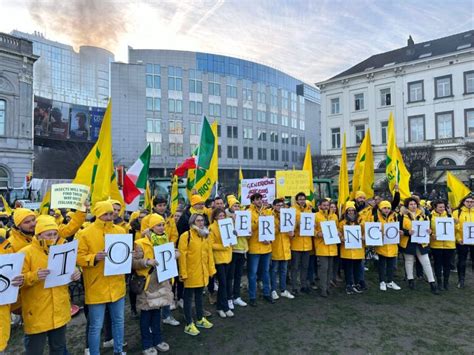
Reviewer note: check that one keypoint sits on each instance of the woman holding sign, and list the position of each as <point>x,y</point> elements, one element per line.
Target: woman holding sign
<point>47,318</point>
<point>464,214</point>
<point>410,250</point>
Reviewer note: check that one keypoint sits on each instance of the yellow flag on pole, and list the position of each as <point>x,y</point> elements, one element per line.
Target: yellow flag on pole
<point>241,177</point>
<point>456,190</point>
<point>148,197</point>
<point>363,177</point>
<point>46,203</point>
<point>308,166</point>
<point>396,171</point>
<point>343,196</point>
<point>6,206</point>
<point>174,195</point>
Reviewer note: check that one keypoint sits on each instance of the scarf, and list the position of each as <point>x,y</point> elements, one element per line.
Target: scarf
<point>158,239</point>
<point>202,232</point>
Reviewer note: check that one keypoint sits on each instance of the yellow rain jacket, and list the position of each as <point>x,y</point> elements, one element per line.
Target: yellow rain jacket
<point>98,288</point>
<point>171,229</point>
<point>196,262</point>
<point>352,254</point>
<point>281,246</point>
<point>407,225</point>
<point>299,243</point>
<point>321,248</point>
<point>42,308</point>
<point>387,250</point>
<point>222,254</point>
<point>462,215</point>
<point>256,247</point>
<point>5,248</point>
<point>146,246</point>
<point>439,244</point>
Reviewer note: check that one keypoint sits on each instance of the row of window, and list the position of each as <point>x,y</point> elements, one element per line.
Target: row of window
<point>359,101</point>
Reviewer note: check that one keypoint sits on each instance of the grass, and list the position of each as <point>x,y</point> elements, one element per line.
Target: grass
<point>372,323</point>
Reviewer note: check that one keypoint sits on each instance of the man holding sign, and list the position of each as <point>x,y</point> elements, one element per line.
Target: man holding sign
<point>101,291</point>
<point>48,320</point>
<point>464,215</point>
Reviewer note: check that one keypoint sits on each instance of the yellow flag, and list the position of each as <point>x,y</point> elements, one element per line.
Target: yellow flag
<point>456,190</point>
<point>241,177</point>
<point>396,171</point>
<point>46,203</point>
<point>343,196</point>
<point>148,197</point>
<point>363,177</point>
<point>308,166</point>
<point>174,195</point>
<point>6,206</point>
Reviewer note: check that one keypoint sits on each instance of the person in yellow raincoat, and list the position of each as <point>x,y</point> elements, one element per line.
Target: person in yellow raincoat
<point>196,265</point>
<point>101,291</point>
<point>464,214</point>
<point>45,311</point>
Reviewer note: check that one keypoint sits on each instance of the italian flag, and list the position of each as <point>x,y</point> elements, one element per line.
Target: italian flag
<point>137,175</point>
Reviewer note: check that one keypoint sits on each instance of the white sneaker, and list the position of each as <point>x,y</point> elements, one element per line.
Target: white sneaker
<point>275,295</point>
<point>240,302</point>
<point>393,286</point>
<point>231,304</point>
<point>171,321</point>
<point>383,286</point>
<point>229,313</point>
<point>108,344</point>
<point>180,303</point>
<point>287,294</point>
<point>221,314</point>
<point>173,306</point>
<point>150,351</point>
<point>87,352</point>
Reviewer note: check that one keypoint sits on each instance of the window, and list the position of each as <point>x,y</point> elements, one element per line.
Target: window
<point>195,107</point>
<point>176,127</point>
<point>273,118</point>
<point>293,102</point>
<point>335,106</point>
<point>443,86</point>
<point>231,88</point>
<point>262,154</point>
<point>231,111</point>
<point>176,149</point>
<point>247,91</point>
<point>262,135</point>
<point>274,137</point>
<point>385,97</point>
<point>248,133</point>
<point>284,120</point>
<point>232,152</point>
<point>294,139</point>
<point>215,110</point>
<point>359,102</point>
<point>416,132</point>
<point>469,82</point>
<point>261,116</point>
<point>3,107</point>
<point>273,97</point>
<point>274,154</point>
<point>284,99</point>
<point>248,153</point>
<point>285,138</point>
<point>153,104</point>
<point>218,130</point>
<point>444,125</point>
<point>232,132</point>
<point>153,76</point>
<point>469,116</point>
<point>219,151</point>
<point>248,114</point>
<point>294,157</point>
<point>384,127</point>
<point>261,96</point>
<point>335,138</point>
<point>175,105</point>
<point>195,129</point>
<point>214,85</point>
<point>195,81</point>
<point>302,125</point>
<point>155,148</point>
<point>153,125</point>
<point>359,133</point>
<point>175,78</point>
<point>415,91</point>
<point>294,122</point>
<point>302,141</point>
<point>285,155</point>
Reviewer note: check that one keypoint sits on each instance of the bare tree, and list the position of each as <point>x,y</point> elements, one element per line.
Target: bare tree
<point>416,159</point>
<point>323,165</point>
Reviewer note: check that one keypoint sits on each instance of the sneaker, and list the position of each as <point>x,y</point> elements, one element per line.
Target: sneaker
<point>191,330</point>
<point>269,299</point>
<point>204,323</point>
<point>287,294</point>
<point>171,321</point>
<point>253,303</point>
<point>239,302</point>
<point>231,304</point>
<point>162,347</point>
<point>275,295</point>
<point>180,303</point>
<point>173,306</point>
<point>87,351</point>
<point>229,314</point>
<point>383,286</point>
<point>108,344</point>
<point>314,286</point>
<point>349,290</point>
<point>393,286</point>
<point>357,288</point>
<point>221,313</point>
<point>149,351</point>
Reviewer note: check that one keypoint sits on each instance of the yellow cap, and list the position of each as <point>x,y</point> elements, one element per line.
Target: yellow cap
<point>155,219</point>
<point>145,222</point>
<point>231,200</point>
<point>384,204</point>
<point>350,204</point>
<point>134,216</point>
<point>360,194</point>
<point>19,215</point>
<point>423,203</point>
<point>195,199</point>
<point>101,208</point>
<point>115,202</point>
<point>45,223</point>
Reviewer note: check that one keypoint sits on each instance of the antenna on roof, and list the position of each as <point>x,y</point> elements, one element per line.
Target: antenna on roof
<point>410,41</point>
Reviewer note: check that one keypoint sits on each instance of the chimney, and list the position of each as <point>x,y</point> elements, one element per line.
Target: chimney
<point>410,42</point>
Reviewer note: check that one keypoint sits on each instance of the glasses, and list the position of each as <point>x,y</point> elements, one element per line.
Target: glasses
<point>199,220</point>
<point>279,205</point>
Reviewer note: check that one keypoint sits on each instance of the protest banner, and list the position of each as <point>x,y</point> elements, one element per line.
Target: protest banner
<point>243,223</point>
<point>444,229</point>
<point>264,186</point>
<point>373,234</point>
<point>307,224</point>
<point>167,266</point>
<point>10,267</point>
<point>226,228</point>
<point>266,228</point>
<point>330,233</point>
<point>287,220</point>
<point>421,234</point>
<point>391,233</point>
<point>70,196</point>
<point>352,237</point>
<point>291,182</point>
<point>61,264</point>
<point>119,254</point>
<point>468,233</point>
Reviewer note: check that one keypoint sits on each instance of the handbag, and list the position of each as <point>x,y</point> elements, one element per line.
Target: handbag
<point>137,282</point>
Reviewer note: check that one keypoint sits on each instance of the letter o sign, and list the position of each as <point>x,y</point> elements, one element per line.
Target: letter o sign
<point>118,252</point>
<point>391,233</point>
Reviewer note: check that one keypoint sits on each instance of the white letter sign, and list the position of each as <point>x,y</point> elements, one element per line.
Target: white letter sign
<point>468,233</point>
<point>119,254</point>
<point>287,220</point>
<point>352,237</point>
<point>373,234</point>
<point>243,223</point>
<point>167,266</point>
<point>391,233</point>
<point>330,234</point>
<point>444,229</point>
<point>420,235</point>
<point>307,224</point>
<point>226,227</point>
<point>266,228</point>
<point>10,267</point>
<point>61,264</point>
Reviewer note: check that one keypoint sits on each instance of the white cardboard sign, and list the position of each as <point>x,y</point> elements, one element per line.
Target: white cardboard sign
<point>10,267</point>
<point>420,235</point>
<point>119,254</point>
<point>266,228</point>
<point>307,224</point>
<point>468,233</point>
<point>226,227</point>
<point>391,233</point>
<point>287,220</point>
<point>264,186</point>
<point>330,233</point>
<point>444,228</point>
<point>69,196</point>
<point>61,264</point>
<point>167,266</point>
<point>352,237</point>
<point>373,234</point>
<point>243,223</point>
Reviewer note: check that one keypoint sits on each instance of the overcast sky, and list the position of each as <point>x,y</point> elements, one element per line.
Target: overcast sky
<point>310,39</point>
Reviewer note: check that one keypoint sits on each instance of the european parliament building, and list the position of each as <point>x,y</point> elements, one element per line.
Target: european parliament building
<point>265,116</point>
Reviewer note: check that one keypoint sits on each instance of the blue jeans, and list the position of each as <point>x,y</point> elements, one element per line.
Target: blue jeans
<point>166,311</point>
<point>150,328</point>
<point>254,260</point>
<point>279,269</point>
<point>96,320</point>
